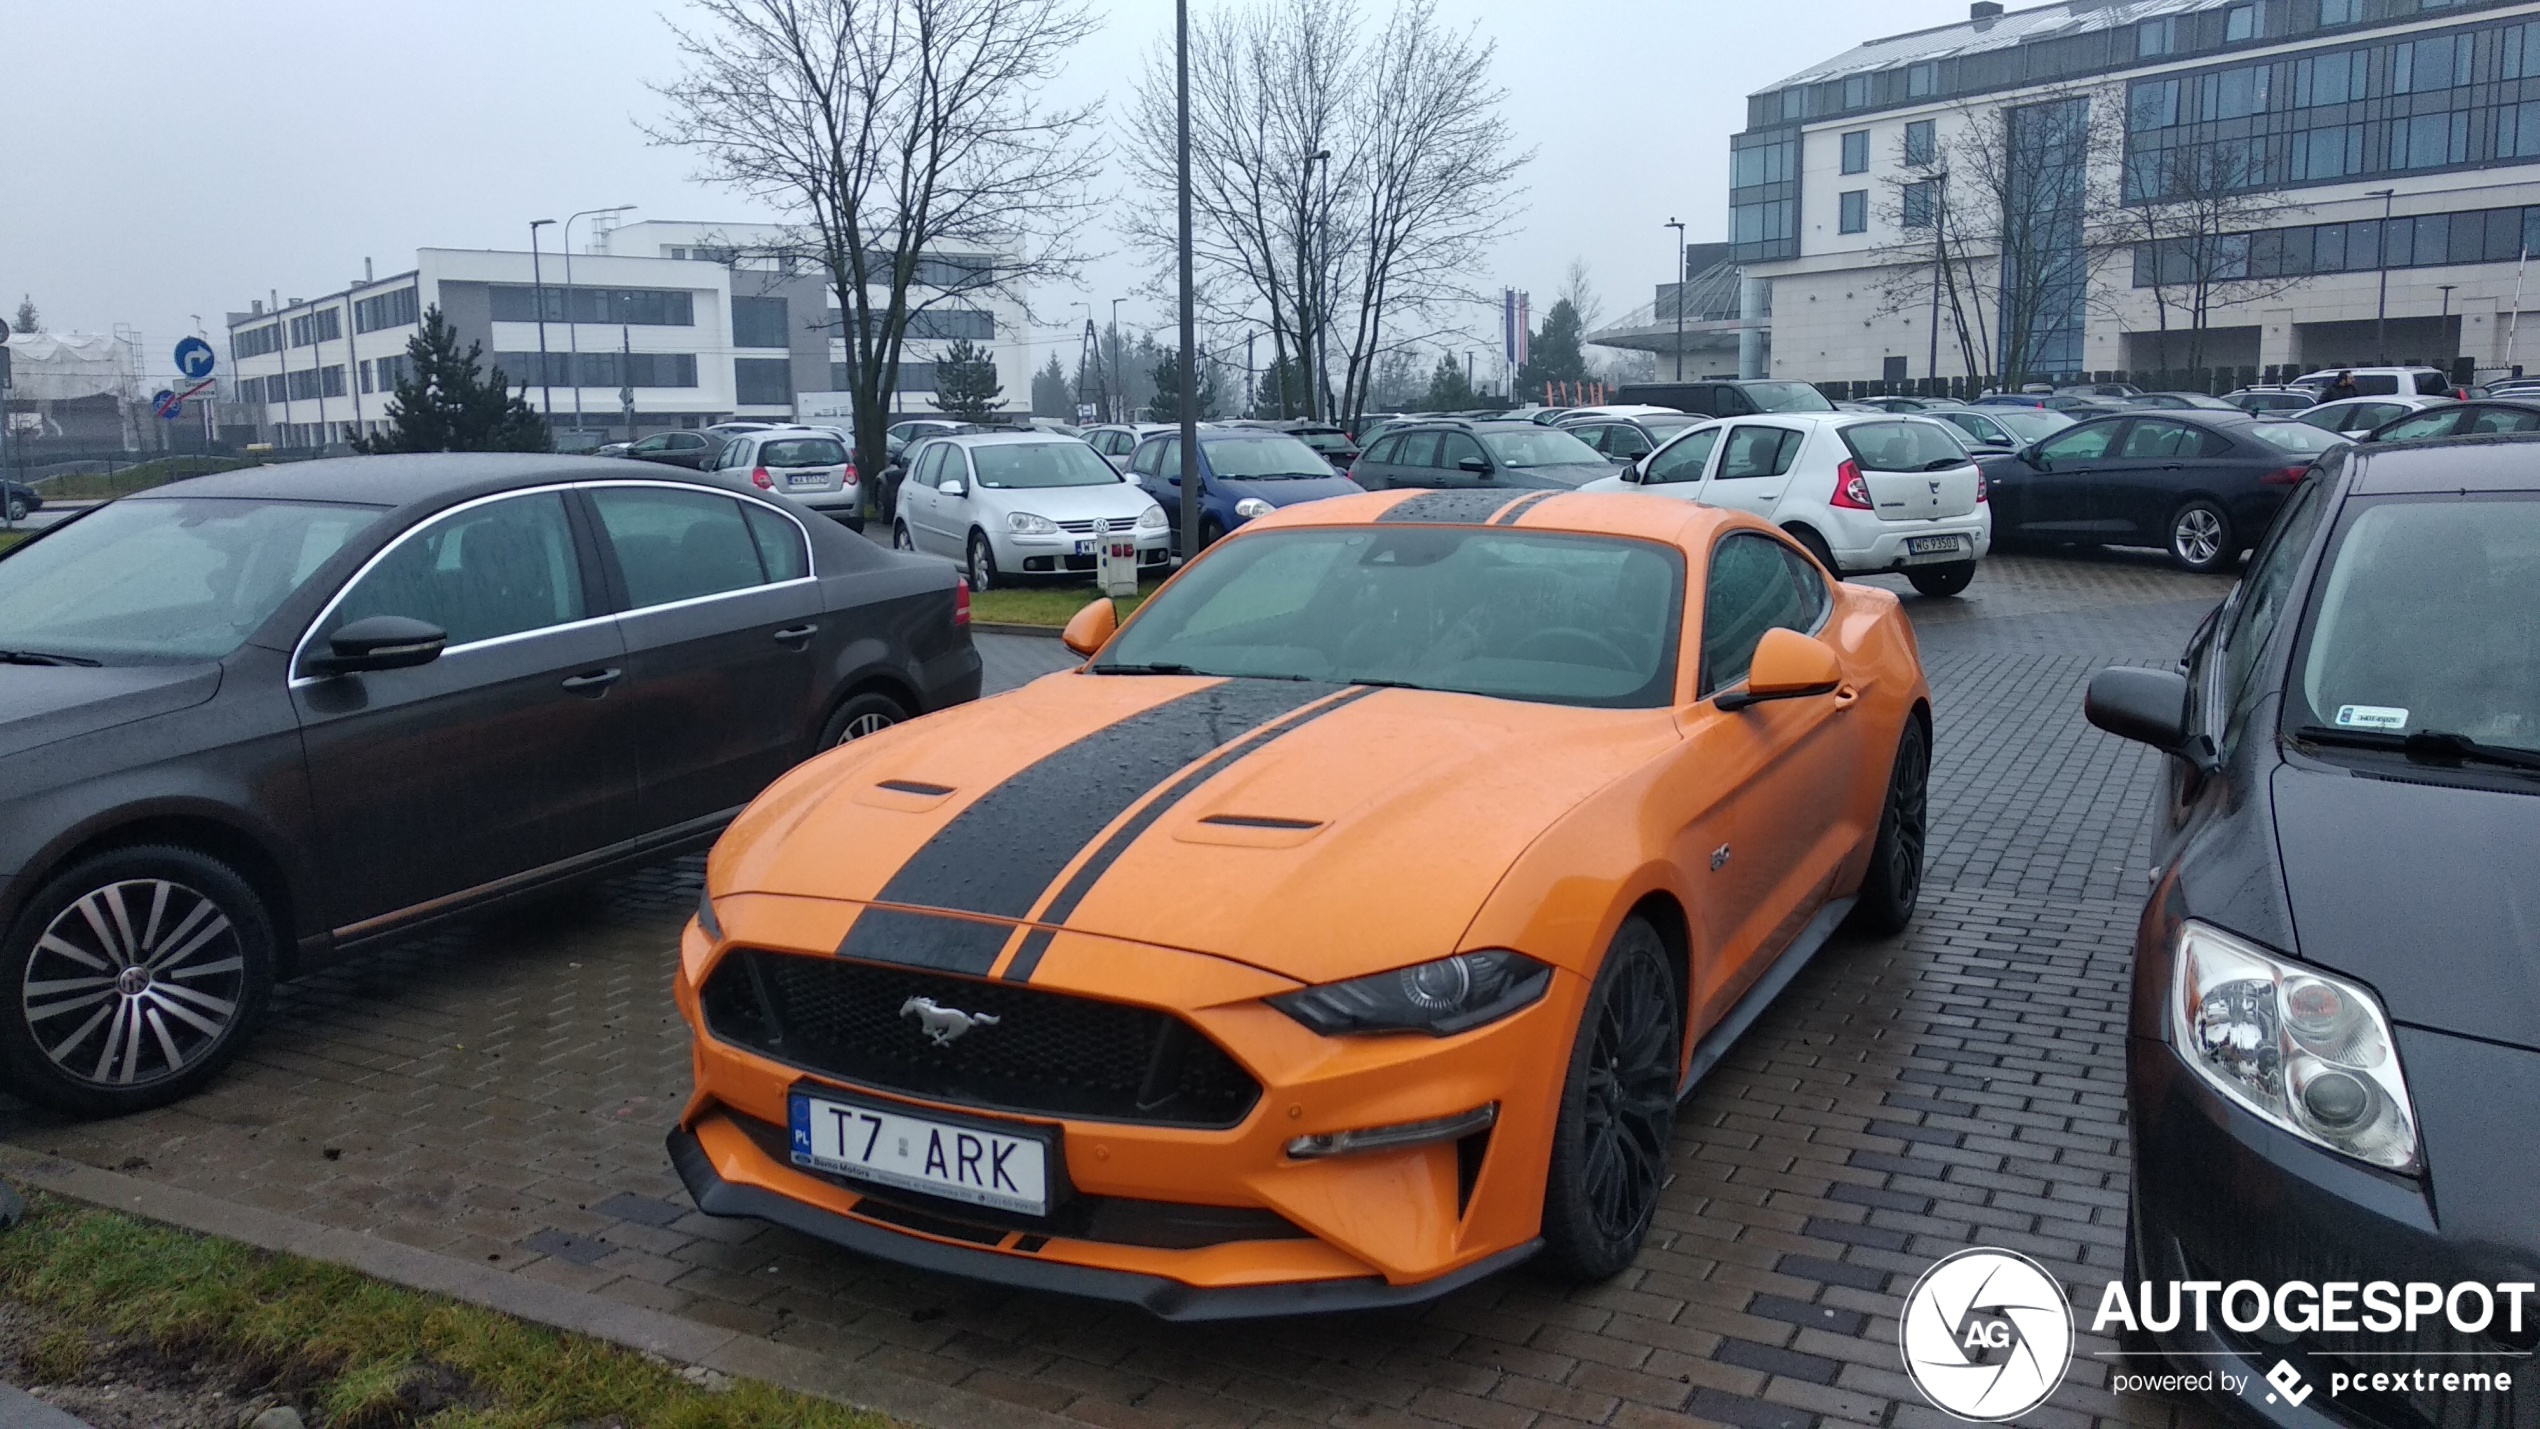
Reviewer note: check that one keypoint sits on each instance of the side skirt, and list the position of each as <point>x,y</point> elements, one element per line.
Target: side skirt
<point>1716,1043</point>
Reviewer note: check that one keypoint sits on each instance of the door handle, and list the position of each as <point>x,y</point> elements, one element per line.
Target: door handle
<point>596,683</point>
<point>797,634</point>
<point>2175,466</point>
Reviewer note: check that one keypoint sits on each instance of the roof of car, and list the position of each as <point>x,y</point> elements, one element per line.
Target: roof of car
<point>402,479</point>
<point>2495,461</point>
<point>1029,437</point>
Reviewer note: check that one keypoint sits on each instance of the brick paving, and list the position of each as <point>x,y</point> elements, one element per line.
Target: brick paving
<point>498,1093</point>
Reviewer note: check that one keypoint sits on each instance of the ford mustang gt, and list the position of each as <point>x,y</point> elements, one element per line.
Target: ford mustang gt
<point>1346,928</point>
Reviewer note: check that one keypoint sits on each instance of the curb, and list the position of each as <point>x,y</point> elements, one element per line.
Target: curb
<point>901,1397</point>
<point>1000,627</point>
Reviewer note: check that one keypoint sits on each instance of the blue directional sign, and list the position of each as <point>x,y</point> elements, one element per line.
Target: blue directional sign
<point>194,359</point>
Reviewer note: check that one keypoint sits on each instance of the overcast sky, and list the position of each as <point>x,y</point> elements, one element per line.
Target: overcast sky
<point>165,160</point>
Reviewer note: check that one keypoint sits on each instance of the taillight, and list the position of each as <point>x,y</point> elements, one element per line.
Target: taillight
<point>762,480</point>
<point>2289,476</point>
<point>850,477</point>
<point>1851,489</point>
<point>1984,489</point>
<point>961,601</point>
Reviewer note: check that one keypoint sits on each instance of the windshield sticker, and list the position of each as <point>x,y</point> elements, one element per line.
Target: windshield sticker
<point>2371,717</point>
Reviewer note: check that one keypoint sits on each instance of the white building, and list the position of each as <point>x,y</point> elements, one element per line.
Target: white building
<point>2346,110</point>
<point>687,323</point>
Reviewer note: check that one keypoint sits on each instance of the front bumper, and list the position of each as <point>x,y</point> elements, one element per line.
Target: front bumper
<point>1051,555</point>
<point>1875,545</point>
<point>1344,1232</point>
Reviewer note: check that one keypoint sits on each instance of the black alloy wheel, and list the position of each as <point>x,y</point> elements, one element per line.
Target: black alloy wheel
<point>1894,884</point>
<point>138,974</point>
<point>901,540</point>
<point>868,713</point>
<point>982,567</point>
<point>1944,580</point>
<point>1618,1112</point>
<point>1210,533</point>
<point>2200,537</point>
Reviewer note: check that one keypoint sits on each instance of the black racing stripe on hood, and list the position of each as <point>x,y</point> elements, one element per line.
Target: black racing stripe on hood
<point>999,855</point>
<point>1509,517</point>
<point>1036,942</point>
<point>1451,508</point>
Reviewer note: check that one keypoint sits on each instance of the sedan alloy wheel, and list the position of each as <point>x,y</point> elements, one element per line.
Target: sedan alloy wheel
<point>2200,536</point>
<point>1618,1112</point>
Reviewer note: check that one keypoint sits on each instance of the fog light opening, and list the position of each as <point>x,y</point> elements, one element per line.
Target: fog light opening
<point>1394,1137</point>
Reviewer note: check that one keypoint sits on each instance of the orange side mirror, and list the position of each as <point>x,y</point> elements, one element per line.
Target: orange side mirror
<point>1090,629</point>
<point>1787,666</point>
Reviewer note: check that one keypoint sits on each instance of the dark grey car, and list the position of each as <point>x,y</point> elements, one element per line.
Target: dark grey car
<point>252,719</point>
<point>1456,455</point>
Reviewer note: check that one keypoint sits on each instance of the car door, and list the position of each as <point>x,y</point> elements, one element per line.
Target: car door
<point>1415,462</point>
<point>919,500</point>
<point>1374,468</point>
<point>512,751</point>
<point>2144,478</point>
<point>719,617</point>
<point>2052,496</point>
<point>1754,467</point>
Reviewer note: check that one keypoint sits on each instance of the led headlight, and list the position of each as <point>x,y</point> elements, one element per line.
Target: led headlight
<point>1152,519</point>
<point>707,923</point>
<point>1441,998</point>
<point>1253,506</point>
<point>2309,1052</point>
<point>1024,523</point>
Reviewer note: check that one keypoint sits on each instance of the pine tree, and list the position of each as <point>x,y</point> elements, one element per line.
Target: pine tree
<point>1553,353</point>
<point>1281,391</point>
<point>1051,396</point>
<point>1166,403</point>
<point>444,403</point>
<point>966,382</point>
<point>1449,389</point>
<point>28,319</point>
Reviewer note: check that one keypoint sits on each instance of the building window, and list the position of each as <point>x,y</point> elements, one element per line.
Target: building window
<point>1922,80</point>
<point>2436,62</point>
<point>2156,37</point>
<point>2240,22</point>
<point>1852,211</point>
<point>2341,12</point>
<point>1920,145</point>
<point>310,328</point>
<point>759,322</point>
<point>393,370</point>
<point>1918,204</point>
<point>2429,141</point>
<point>2152,104</point>
<point>331,381</point>
<point>762,381</point>
<point>384,310</point>
<point>256,341</point>
<point>602,369</point>
<point>632,307</point>
<point>2329,79</point>
<point>1856,152</point>
<point>1856,91</point>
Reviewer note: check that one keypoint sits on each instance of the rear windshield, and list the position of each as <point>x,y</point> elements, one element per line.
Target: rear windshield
<point>1022,465</point>
<point>803,451</point>
<point>1903,446</point>
<point>2429,621</point>
<point>1785,397</point>
<point>1538,446</point>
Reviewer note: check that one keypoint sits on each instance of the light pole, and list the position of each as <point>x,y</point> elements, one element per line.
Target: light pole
<point>546,392</point>
<point>1319,338</point>
<point>1680,295</point>
<point>1190,318</point>
<point>2381,261</point>
<point>573,320</point>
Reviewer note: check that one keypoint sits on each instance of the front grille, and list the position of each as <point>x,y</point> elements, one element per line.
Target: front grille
<point>1050,1053</point>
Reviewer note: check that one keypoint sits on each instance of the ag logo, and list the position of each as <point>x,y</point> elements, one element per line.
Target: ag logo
<point>1986,1334</point>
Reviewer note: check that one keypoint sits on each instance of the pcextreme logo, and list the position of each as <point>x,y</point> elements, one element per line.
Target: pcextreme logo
<point>1986,1334</point>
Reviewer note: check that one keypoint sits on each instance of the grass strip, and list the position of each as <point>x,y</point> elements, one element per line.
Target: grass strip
<point>11,538</point>
<point>1050,605</point>
<point>351,1347</point>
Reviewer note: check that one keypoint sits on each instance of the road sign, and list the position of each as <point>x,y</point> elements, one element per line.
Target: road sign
<point>1084,411</point>
<point>194,359</point>
<point>167,404</point>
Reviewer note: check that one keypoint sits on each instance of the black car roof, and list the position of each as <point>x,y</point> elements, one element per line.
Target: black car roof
<point>406,479</point>
<point>2490,461</point>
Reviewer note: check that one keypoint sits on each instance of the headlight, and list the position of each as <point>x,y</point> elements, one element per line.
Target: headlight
<point>1253,506</point>
<point>2309,1052</point>
<point>1151,519</point>
<point>707,923</point>
<point>1440,998</point>
<point>1027,524</point>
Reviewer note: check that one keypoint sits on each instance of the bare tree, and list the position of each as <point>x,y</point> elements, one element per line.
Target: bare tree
<point>2182,233</point>
<point>1579,291</point>
<point>905,141</point>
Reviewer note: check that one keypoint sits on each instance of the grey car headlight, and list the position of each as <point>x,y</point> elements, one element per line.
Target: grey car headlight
<point>1027,524</point>
<point>2306,1051</point>
<point>1252,507</point>
<point>1153,518</point>
<point>1442,997</point>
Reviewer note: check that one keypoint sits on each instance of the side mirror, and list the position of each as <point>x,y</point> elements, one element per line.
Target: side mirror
<point>1091,628</point>
<point>2148,707</point>
<point>952,486</point>
<point>1475,465</point>
<point>381,642</point>
<point>1787,666</point>
<point>1633,472</point>
<point>2036,456</point>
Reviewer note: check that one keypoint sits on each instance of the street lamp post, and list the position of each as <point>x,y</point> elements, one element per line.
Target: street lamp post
<point>1190,319</point>
<point>2381,260</point>
<point>538,282</point>
<point>572,320</point>
<point>1319,337</point>
<point>1680,295</point>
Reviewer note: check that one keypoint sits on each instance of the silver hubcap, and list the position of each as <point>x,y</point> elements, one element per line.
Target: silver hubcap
<point>2198,538</point>
<point>900,538</point>
<point>134,982</point>
<point>865,724</point>
<point>978,567</point>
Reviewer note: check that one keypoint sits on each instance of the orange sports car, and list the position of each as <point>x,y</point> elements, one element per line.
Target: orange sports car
<point>1346,928</point>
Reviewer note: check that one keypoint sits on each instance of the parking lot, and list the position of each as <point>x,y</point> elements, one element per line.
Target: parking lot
<point>498,1095</point>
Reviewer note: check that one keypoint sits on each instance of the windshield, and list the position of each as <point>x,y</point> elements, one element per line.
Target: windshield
<point>1786,397</point>
<point>1271,456</point>
<point>2429,620</point>
<point>1558,619</point>
<point>165,581</point>
<point>2299,438</point>
<point>1904,445</point>
<point>1538,446</point>
<point>1034,465</point>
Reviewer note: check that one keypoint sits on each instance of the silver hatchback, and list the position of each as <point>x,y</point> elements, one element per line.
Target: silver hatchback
<point>809,464</point>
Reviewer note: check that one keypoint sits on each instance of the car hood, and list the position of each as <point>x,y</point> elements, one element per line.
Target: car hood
<point>1568,474</point>
<point>43,703</point>
<point>2407,887</point>
<point>1309,830</point>
<point>1119,501</point>
<point>1290,490</point>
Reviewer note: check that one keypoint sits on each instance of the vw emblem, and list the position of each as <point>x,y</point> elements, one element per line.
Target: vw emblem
<point>942,1025</point>
<point>1935,488</point>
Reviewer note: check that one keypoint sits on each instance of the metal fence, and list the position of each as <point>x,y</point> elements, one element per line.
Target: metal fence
<point>2213,381</point>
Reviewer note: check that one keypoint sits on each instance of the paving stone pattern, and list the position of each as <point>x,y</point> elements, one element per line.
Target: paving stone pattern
<point>499,1092</point>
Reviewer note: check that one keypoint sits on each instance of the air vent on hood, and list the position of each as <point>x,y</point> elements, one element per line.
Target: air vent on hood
<point>912,786</point>
<point>909,796</point>
<point>1255,821</point>
<point>1248,830</point>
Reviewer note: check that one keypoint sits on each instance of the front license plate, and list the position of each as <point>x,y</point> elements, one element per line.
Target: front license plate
<point>1084,548</point>
<point>1006,1170</point>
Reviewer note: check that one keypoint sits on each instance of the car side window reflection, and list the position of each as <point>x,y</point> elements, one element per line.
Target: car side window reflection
<point>1683,461</point>
<point>1759,451</point>
<point>499,569</point>
<point>677,545</point>
<point>1750,589</point>
<point>2156,440</point>
<point>2084,443</point>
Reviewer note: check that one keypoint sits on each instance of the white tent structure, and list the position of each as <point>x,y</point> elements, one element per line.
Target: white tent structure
<point>74,385</point>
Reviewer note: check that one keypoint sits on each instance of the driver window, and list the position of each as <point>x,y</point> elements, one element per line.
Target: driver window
<point>2085,443</point>
<point>1418,449</point>
<point>1149,460</point>
<point>488,571</point>
<point>1750,589</point>
<point>1684,459</point>
<point>1625,442</point>
<point>1457,448</point>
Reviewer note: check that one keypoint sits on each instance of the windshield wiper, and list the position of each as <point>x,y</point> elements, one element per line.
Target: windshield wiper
<point>1946,462</point>
<point>2425,746</point>
<point>39,657</point>
<point>1381,684</point>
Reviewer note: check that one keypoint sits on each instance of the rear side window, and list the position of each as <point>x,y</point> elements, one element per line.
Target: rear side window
<point>2433,384</point>
<point>802,451</point>
<point>1751,588</point>
<point>2502,419</point>
<point>780,544</point>
<point>1759,451</point>
<point>1903,446</point>
<point>1684,459</point>
<point>2153,440</point>
<point>493,570</point>
<point>677,545</point>
<point>2437,423</point>
<point>2375,384</point>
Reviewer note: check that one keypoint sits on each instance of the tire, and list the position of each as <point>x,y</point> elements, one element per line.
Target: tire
<point>1815,545</point>
<point>1617,1114</point>
<point>855,522</point>
<point>982,565</point>
<point>212,941</point>
<point>17,509</point>
<point>1210,533</point>
<point>1894,884</point>
<point>1942,580</point>
<point>867,713</point>
<point>2200,537</point>
<point>901,540</point>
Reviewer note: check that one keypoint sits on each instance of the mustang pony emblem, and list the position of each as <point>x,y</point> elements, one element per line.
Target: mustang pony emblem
<point>943,1024</point>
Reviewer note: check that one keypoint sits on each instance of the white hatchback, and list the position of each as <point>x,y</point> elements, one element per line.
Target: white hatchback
<point>1865,492</point>
<point>1008,504</point>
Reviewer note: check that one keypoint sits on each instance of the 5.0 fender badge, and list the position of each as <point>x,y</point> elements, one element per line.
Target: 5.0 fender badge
<point>943,1025</point>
